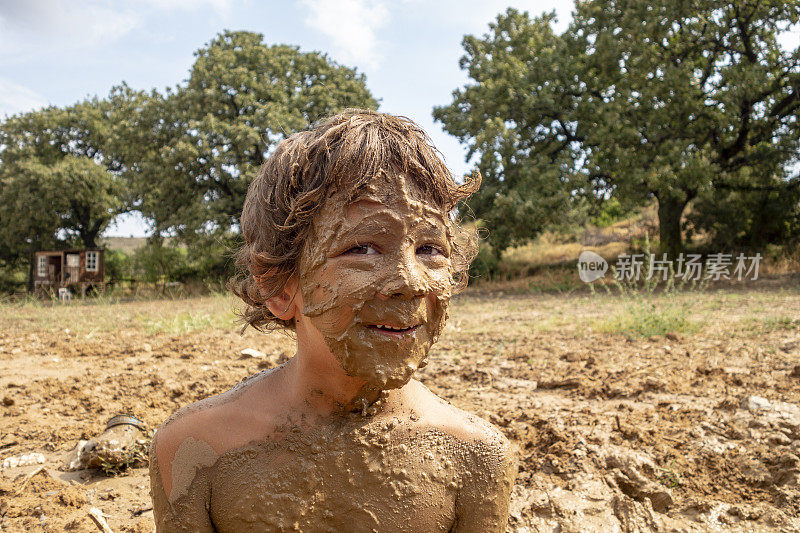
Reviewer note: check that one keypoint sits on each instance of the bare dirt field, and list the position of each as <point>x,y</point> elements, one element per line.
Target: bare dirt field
<point>657,413</point>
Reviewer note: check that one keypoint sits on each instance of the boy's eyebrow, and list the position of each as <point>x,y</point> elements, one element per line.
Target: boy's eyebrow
<point>370,225</point>
<point>383,224</point>
<point>425,225</point>
<point>366,199</point>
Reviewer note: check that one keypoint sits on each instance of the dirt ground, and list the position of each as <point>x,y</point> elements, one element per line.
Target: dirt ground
<point>691,423</point>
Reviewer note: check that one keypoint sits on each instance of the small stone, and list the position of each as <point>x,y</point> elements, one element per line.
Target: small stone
<point>756,404</point>
<point>779,439</point>
<point>23,460</point>
<point>654,384</point>
<point>252,353</point>
<point>8,401</point>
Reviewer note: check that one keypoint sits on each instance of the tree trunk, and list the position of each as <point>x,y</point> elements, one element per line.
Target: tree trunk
<point>89,238</point>
<point>758,234</point>
<point>670,211</point>
<point>31,267</point>
<point>89,233</point>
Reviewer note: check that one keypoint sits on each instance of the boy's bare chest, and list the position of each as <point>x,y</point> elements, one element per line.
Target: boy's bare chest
<point>358,481</point>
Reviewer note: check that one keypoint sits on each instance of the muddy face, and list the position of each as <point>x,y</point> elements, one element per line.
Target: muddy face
<point>376,279</point>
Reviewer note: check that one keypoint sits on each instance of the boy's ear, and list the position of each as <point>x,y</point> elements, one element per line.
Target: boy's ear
<point>286,305</point>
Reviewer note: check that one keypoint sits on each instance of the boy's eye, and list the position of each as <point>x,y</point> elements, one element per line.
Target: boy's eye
<point>362,249</point>
<point>429,249</point>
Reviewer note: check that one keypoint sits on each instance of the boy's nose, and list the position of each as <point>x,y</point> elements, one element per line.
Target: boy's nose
<point>405,281</point>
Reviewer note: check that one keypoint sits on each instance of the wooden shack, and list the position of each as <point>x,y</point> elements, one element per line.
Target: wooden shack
<point>79,269</point>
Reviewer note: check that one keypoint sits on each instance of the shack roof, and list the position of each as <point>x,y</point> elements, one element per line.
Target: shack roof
<point>69,250</point>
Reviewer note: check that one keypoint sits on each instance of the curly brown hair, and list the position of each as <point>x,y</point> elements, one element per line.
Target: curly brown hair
<point>343,151</point>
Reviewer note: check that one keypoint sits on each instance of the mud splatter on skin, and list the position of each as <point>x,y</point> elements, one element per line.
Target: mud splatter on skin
<point>381,258</point>
<point>190,456</point>
<point>393,458</point>
<point>351,473</point>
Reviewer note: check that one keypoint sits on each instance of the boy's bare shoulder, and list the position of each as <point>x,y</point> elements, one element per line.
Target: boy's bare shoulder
<point>192,421</point>
<point>485,457</point>
<point>479,436</point>
<point>203,431</point>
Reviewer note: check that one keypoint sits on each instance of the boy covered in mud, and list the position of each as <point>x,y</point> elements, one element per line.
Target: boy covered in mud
<point>349,243</point>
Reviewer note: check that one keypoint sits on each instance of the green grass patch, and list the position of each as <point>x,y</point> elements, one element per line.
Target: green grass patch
<point>772,323</point>
<point>649,319</point>
<point>106,313</point>
<point>562,285</point>
<point>182,323</point>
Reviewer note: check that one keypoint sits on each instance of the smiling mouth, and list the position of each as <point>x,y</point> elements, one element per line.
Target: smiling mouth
<point>393,330</point>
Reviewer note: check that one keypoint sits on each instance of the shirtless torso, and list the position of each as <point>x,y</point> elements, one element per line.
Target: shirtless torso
<point>230,463</point>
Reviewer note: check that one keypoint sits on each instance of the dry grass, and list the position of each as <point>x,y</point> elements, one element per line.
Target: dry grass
<point>548,263</point>
<point>779,261</point>
<point>124,244</point>
<point>543,252</point>
<point>510,308</point>
<point>510,358</point>
<point>214,311</point>
<point>502,309</point>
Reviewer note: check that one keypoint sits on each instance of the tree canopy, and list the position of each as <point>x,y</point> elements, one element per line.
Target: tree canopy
<point>666,100</point>
<point>213,134</point>
<point>183,158</point>
<point>58,184</point>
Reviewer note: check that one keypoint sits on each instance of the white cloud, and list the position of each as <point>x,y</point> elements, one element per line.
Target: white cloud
<point>15,98</point>
<point>789,39</point>
<point>220,6</point>
<point>352,26</point>
<point>31,28</point>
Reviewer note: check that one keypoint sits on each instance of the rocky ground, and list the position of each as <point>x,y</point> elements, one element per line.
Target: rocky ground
<point>691,423</point>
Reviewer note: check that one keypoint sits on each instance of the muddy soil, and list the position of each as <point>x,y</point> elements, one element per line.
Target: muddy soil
<point>678,432</point>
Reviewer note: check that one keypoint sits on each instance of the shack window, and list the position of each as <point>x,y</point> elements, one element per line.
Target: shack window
<point>41,267</point>
<point>91,261</point>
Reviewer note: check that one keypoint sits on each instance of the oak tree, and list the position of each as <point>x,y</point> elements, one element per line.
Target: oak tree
<point>213,133</point>
<point>666,100</point>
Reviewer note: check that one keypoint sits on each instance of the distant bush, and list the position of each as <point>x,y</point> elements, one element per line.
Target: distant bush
<point>486,263</point>
<point>12,278</point>
<point>611,211</point>
<point>158,263</point>
<point>746,220</point>
<point>118,265</point>
<point>210,259</point>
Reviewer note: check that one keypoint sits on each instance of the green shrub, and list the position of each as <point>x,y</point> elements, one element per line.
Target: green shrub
<point>610,212</point>
<point>118,265</point>
<point>650,318</point>
<point>210,259</point>
<point>158,263</point>
<point>486,263</point>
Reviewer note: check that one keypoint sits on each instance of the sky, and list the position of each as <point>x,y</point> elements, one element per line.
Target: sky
<point>59,52</point>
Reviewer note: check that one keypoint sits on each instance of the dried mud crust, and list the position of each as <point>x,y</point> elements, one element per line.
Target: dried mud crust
<point>684,433</point>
